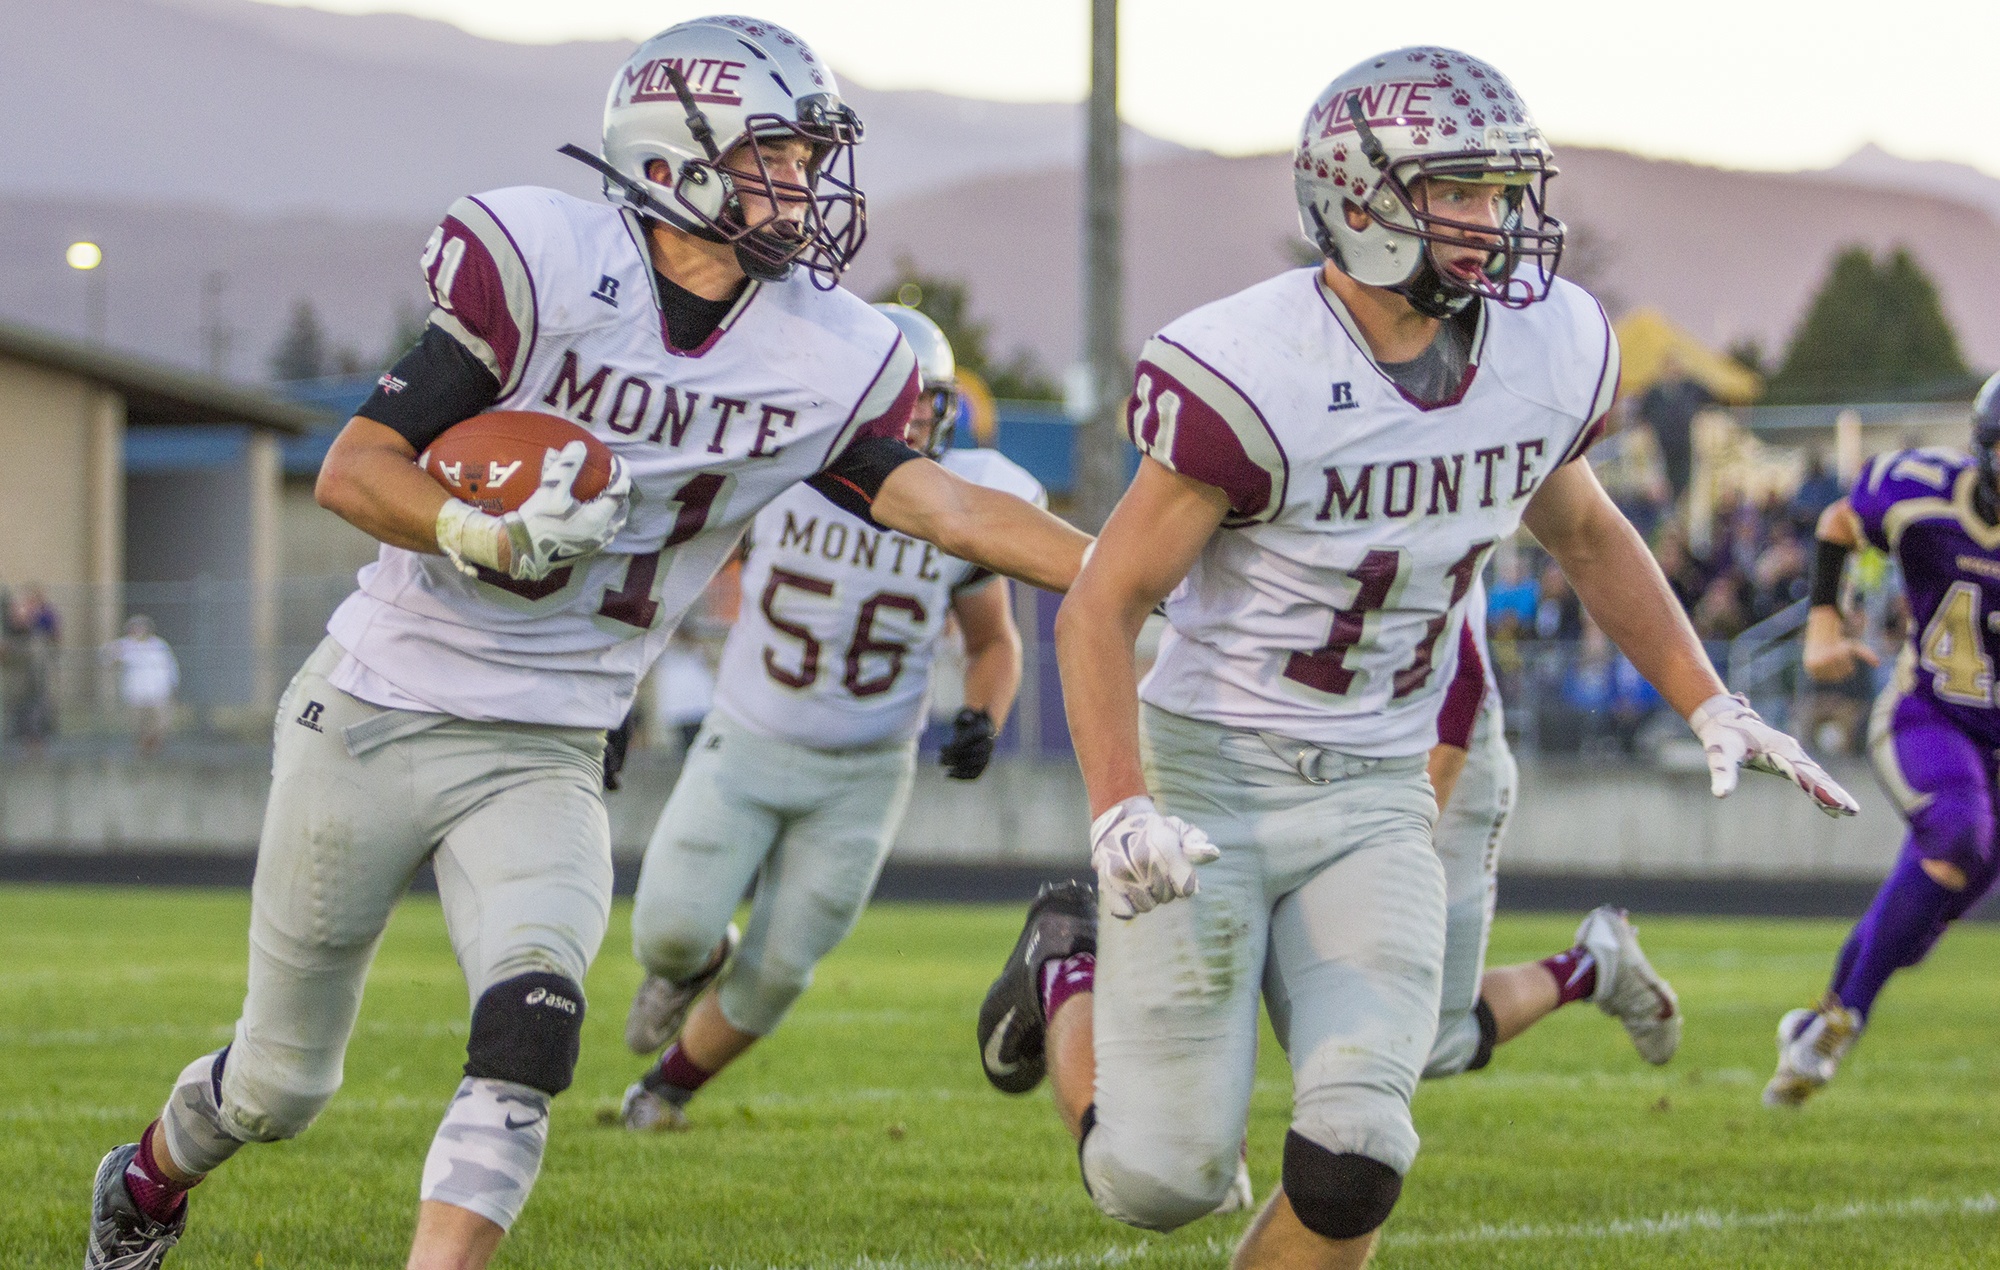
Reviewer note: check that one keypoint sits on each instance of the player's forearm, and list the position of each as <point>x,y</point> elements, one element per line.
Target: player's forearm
<point>1621,585</point>
<point>997,531</point>
<point>1094,642</point>
<point>380,491</point>
<point>993,675</point>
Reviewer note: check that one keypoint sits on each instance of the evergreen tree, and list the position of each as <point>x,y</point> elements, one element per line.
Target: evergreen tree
<point>406,330</point>
<point>301,352</point>
<point>1874,331</point>
<point>947,302</point>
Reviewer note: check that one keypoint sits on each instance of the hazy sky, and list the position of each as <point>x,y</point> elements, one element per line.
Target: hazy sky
<point>1751,83</point>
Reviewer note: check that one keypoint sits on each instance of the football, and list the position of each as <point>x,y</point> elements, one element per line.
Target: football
<point>494,461</point>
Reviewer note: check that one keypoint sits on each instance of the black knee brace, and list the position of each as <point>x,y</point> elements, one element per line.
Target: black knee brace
<point>1489,1035</point>
<point>527,1030</point>
<point>1339,1196</point>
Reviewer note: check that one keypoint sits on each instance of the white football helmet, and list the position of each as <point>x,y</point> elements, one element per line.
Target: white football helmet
<point>693,94</point>
<point>1411,114</point>
<point>937,370</point>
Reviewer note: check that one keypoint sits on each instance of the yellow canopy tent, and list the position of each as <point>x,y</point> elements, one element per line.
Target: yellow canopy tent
<point>1648,343</point>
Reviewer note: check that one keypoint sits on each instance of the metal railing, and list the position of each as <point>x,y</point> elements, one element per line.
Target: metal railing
<point>1562,697</point>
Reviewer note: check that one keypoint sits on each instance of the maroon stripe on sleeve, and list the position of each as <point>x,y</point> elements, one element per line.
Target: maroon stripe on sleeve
<point>1201,446</point>
<point>894,422</point>
<point>471,288</point>
<point>1461,700</point>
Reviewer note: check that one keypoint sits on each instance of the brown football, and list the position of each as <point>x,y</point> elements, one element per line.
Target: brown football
<point>494,461</point>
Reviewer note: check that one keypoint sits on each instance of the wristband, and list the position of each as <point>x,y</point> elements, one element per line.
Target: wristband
<point>470,538</point>
<point>1828,562</point>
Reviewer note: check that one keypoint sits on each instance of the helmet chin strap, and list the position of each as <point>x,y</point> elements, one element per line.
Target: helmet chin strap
<point>638,196</point>
<point>1429,294</point>
<point>1425,289</point>
<point>762,270</point>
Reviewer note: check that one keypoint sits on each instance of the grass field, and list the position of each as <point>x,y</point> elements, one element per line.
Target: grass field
<point>862,1134</point>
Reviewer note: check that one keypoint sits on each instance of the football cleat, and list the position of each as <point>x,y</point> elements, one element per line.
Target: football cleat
<point>122,1237</point>
<point>1062,921</point>
<point>1628,988</point>
<point>1811,1044</point>
<point>660,1005</point>
<point>644,1111</point>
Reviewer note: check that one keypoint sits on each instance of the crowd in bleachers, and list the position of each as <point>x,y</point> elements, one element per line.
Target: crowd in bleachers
<point>1569,690</point>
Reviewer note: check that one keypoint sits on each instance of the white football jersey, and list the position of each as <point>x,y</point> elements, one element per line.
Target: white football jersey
<point>555,295</point>
<point>840,622</point>
<point>1329,605</point>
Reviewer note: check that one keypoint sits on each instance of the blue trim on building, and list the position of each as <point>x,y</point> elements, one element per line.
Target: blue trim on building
<point>193,448</point>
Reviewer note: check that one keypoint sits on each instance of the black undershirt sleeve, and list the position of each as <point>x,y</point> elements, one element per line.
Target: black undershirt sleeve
<point>436,384</point>
<point>1828,562</point>
<point>853,479</point>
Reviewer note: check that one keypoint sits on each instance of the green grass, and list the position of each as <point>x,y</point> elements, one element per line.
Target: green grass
<point>862,1132</point>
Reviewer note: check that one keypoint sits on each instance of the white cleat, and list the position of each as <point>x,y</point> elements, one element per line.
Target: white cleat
<point>644,1111</point>
<point>660,1005</point>
<point>1242,1198</point>
<point>1811,1044</point>
<point>1628,988</point>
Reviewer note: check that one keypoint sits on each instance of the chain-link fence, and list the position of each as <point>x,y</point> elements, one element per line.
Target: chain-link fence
<point>207,656</point>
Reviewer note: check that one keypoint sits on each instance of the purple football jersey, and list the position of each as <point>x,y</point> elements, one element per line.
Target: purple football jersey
<point>1918,504</point>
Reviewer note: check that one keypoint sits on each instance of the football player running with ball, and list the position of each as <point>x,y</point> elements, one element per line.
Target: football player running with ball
<point>1935,728</point>
<point>457,710</point>
<point>1329,458</point>
<point>802,772</point>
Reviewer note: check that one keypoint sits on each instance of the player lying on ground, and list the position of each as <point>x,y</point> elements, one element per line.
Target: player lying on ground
<point>457,710</point>
<point>1329,458</point>
<point>802,771</point>
<point>1934,731</point>
<point>1473,774</point>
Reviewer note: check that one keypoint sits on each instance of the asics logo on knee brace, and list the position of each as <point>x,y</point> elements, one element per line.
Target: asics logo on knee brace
<point>553,1000</point>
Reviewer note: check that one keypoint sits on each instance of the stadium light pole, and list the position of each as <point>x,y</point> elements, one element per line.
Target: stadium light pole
<point>1100,450</point>
<point>86,258</point>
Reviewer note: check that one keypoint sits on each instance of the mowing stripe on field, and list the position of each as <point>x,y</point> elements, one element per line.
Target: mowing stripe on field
<point>1700,1220</point>
<point>1704,1219</point>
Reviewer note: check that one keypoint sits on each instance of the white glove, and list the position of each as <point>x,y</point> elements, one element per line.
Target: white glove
<point>551,529</point>
<point>1143,858</point>
<point>1733,736</point>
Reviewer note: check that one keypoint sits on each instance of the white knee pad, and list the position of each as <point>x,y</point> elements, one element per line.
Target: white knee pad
<point>671,948</point>
<point>488,1149</point>
<point>755,995</point>
<point>1464,1043</point>
<point>196,1137</point>
<point>270,1092</point>
<point>1152,1181</point>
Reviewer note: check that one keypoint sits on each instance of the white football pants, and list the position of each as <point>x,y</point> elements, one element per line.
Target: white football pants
<point>1468,845</point>
<point>1329,896</point>
<point>512,818</point>
<point>811,827</point>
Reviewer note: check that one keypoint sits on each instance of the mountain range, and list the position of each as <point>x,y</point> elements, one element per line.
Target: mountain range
<point>290,154</point>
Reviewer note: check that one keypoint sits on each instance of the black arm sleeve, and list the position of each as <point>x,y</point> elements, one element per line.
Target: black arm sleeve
<point>436,384</point>
<point>1828,562</point>
<point>852,480</point>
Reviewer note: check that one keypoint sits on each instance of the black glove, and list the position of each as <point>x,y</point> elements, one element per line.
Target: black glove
<point>966,755</point>
<point>616,742</point>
